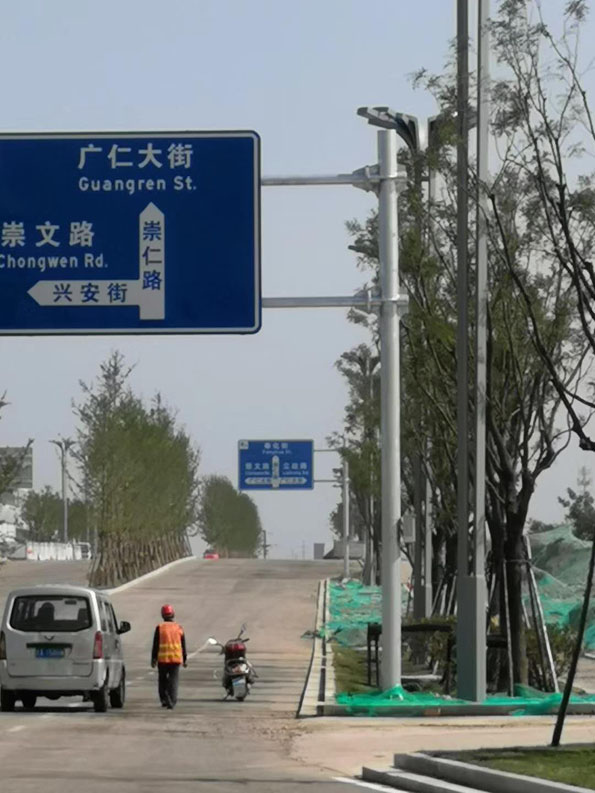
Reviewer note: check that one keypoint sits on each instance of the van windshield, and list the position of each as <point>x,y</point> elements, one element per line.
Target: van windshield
<point>52,613</point>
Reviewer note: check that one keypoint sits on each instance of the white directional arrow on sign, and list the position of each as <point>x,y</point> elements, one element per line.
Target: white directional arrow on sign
<point>147,292</point>
<point>275,482</point>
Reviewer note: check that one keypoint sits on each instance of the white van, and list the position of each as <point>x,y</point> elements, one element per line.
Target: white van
<point>61,641</point>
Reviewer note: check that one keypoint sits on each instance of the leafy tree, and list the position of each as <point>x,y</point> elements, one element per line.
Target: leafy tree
<point>524,433</point>
<point>140,474</point>
<point>356,524</point>
<point>580,508</point>
<point>546,130</point>
<point>43,515</point>
<point>11,463</point>
<point>229,521</point>
<point>538,526</point>
<point>358,443</point>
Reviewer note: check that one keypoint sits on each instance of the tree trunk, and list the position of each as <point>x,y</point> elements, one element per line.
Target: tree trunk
<point>438,557</point>
<point>513,557</point>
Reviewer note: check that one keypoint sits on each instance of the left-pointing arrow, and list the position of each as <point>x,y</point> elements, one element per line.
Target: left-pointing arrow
<point>86,293</point>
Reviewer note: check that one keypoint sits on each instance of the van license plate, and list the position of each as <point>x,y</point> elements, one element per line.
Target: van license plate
<point>49,652</point>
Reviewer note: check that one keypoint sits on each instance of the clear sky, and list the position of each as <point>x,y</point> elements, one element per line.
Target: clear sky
<point>295,73</point>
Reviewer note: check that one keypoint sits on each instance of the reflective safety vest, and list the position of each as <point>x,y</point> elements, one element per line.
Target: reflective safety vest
<point>170,643</point>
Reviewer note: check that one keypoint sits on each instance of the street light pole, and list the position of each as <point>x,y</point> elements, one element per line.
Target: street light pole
<point>390,409</point>
<point>64,444</point>
<point>390,403</point>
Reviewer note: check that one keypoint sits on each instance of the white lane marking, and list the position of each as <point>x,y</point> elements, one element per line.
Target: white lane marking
<point>361,783</point>
<point>16,728</point>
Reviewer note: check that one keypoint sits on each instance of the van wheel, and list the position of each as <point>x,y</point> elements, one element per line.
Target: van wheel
<point>117,696</point>
<point>29,701</point>
<point>101,700</point>
<point>7,700</point>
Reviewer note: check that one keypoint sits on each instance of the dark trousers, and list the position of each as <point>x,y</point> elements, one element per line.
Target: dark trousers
<point>169,676</point>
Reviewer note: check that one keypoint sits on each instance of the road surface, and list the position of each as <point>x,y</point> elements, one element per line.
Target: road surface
<point>205,744</point>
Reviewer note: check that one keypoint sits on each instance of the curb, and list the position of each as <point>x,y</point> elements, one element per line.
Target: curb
<point>310,703</point>
<point>438,711</point>
<point>141,579</point>
<point>330,686</point>
<point>447,773</point>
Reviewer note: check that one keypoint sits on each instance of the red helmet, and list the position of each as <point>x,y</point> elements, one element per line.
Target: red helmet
<point>167,611</point>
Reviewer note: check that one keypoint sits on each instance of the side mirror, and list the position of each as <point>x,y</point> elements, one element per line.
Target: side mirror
<point>124,627</point>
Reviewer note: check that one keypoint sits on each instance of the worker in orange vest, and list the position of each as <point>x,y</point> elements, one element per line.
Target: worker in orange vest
<point>169,653</point>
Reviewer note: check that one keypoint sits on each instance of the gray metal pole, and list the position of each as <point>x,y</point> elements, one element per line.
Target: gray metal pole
<point>389,411</point>
<point>368,576</point>
<point>64,449</point>
<point>428,549</point>
<point>541,628</point>
<point>345,483</point>
<point>428,521</point>
<point>464,605</point>
<point>418,558</point>
<point>481,323</point>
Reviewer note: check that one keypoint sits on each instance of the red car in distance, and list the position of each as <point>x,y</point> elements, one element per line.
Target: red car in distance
<point>208,554</point>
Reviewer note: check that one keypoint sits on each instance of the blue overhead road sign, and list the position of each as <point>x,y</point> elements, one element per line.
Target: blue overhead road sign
<point>155,232</point>
<point>276,465</point>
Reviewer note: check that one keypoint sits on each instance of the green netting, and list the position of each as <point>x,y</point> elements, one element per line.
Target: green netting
<point>562,555</point>
<point>560,566</point>
<point>561,563</point>
<point>351,607</point>
<point>526,702</point>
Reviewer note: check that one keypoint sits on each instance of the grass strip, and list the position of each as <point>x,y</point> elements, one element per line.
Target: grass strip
<point>570,765</point>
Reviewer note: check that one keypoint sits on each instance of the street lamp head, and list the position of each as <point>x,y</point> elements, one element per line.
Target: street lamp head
<point>406,127</point>
<point>64,443</point>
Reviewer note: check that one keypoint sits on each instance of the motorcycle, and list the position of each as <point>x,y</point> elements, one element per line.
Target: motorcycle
<point>238,673</point>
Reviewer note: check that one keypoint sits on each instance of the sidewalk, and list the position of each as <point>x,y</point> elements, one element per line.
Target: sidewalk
<point>343,746</point>
<point>585,675</point>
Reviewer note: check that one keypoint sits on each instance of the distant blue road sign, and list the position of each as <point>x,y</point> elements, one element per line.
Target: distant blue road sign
<point>130,233</point>
<point>276,465</point>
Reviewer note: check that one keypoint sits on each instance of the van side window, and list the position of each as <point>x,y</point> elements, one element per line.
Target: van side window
<point>113,613</point>
<point>108,615</point>
<point>103,615</point>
